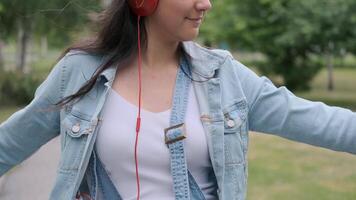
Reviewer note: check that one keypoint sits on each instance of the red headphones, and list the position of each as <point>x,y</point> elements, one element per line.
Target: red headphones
<point>143,7</point>
<point>140,8</point>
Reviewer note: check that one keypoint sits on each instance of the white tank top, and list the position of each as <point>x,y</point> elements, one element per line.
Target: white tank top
<point>116,142</point>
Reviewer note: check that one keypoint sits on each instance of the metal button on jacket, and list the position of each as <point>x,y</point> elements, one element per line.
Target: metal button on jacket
<point>76,128</point>
<point>230,123</point>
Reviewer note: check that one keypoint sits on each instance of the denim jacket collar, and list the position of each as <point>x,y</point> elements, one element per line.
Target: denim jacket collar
<point>203,61</point>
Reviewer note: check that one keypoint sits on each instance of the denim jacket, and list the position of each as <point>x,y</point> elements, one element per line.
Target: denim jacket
<point>232,100</point>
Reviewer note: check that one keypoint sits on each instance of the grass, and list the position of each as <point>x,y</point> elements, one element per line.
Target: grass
<point>6,111</point>
<point>282,169</point>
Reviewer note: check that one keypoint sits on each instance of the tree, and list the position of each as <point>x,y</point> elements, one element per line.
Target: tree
<point>289,32</point>
<point>2,63</point>
<point>2,34</point>
<point>33,19</point>
<point>219,23</point>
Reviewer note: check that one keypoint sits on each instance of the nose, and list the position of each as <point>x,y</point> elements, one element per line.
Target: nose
<point>203,5</point>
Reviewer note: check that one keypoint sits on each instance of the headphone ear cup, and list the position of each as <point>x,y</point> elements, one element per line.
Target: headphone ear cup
<point>143,7</point>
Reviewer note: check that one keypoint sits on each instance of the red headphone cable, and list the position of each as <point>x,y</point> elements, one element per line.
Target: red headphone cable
<point>138,121</point>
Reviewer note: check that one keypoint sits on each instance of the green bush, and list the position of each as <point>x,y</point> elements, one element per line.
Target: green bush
<point>17,88</point>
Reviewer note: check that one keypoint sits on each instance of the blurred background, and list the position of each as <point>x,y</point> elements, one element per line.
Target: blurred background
<point>307,45</point>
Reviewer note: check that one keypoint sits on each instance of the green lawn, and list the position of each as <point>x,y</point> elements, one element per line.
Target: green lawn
<point>280,169</point>
<point>6,111</point>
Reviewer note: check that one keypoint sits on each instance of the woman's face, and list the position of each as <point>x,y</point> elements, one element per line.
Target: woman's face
<point>178,20</point>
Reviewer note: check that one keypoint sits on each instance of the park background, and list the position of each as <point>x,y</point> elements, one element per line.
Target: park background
<point>307,45</point>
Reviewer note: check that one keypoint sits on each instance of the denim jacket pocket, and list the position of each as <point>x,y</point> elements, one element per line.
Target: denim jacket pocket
<point>75,130</point>
<point>75,126</point>
<point>234,123</point>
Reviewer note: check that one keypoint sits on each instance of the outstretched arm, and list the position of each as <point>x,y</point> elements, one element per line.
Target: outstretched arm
<point>278,111</point>
<point>31,127</point>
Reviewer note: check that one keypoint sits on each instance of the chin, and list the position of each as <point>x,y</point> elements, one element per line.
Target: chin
<point>190,35</point>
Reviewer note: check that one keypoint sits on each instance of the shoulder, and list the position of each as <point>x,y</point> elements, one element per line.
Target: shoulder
<point>222,57</point>
<point>76,60</point>
<point>206,60</point>
<point>198,51</point>
<point>230,68</point>
<point>74,69</point>
<point>225,57</point>
<point>79,65</point>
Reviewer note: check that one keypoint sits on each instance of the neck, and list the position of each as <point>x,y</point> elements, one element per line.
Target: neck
<point>160,54</point>
<point>162,51</point>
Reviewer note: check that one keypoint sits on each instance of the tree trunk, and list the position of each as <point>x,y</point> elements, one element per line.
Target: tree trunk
<point>330,65</point>
<point>330,73</point>
<point>23,38</point>
<point>2,62</point>
<point>19,48</point>
<point>105,3</point>
<point>44,46</point>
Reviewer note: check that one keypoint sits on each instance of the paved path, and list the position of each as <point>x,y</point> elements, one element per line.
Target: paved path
<point>34,178</point>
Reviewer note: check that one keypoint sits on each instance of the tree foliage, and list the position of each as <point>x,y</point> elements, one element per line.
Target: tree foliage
<point>57,18</point>
<point>288,32</point>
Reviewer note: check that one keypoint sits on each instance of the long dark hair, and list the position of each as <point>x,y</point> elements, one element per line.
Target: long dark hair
<point>115,39</point>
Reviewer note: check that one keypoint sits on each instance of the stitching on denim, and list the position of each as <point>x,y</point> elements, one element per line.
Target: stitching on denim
<point>178,163</point>
<point>63,75</point>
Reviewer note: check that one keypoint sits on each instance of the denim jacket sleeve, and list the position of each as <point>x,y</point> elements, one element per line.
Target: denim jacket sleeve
<point>31,127</point>
<point>278,111</point>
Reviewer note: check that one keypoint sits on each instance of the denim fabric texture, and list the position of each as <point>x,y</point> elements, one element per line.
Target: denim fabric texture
<point>232,100</point>
<point>179,168</point>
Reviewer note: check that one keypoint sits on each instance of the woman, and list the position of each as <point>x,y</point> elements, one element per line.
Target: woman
<point>197,108</point>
